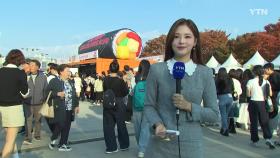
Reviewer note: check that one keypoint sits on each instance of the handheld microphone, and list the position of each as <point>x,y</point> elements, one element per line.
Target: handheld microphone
<point>178,74</point>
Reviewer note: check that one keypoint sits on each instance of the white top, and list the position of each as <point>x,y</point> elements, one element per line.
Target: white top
<point>89,80</point>
<point>189,66</point>
<point>237,86</point>
<point>255,89</point>
<point>33,77</point>
<point>11,66</point>
<point>78,84</point>
<point>98,86</point>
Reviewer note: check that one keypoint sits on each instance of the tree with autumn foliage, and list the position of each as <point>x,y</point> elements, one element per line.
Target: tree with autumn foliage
<point>246,45</point>
<point>273,29</point>
<point>214,42</point>
<point>267,43</point>
<point>154,46</point>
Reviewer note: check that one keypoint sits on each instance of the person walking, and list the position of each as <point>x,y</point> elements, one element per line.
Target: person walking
<point>37,83</point>
<point>66,105</point>
<point>256,90</point>
<point>78,84</point>
<point>140,122</point>
<point>98,89</point>
<point>13,83</point>
<point>225,90</point>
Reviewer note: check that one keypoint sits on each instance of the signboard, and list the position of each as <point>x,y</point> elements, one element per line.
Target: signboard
<point>89,55</point>
<point>121,44</point>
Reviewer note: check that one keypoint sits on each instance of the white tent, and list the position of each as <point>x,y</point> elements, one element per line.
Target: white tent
<point>230,63</point>
<point>256,59</point>
<point>212,63</point>
<point>276,62</point>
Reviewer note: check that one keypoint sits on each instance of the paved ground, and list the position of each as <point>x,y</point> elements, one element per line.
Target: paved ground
<point>87,141</point>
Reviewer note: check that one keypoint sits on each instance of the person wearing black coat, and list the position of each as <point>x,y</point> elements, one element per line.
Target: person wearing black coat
<point>66,105</point>
<point>13,83</point>
<point>116,115</point>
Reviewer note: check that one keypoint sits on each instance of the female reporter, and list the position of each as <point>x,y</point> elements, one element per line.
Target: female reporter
<point>182,45</point>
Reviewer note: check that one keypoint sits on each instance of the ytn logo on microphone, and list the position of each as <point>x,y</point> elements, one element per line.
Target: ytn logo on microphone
<point>178,67</point>
<point>178,70</point>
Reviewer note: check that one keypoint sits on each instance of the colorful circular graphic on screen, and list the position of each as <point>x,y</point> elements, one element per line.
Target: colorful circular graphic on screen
<point>127,45</point>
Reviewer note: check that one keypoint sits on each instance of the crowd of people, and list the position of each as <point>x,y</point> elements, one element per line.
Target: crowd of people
<point>30,87</point>
<point>147,97</point>
<point>249,98</point>
<point>25,91</point>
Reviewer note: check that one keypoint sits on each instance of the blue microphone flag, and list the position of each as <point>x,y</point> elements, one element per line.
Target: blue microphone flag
<point>179,70</point>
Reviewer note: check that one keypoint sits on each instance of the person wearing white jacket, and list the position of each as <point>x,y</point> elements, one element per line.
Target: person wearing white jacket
<point>78,84</point>
<point>98,89</point>
<point>89,88</point>
<point>237,91</point>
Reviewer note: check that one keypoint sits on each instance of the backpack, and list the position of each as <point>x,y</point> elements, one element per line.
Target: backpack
<point>268,102</point>
<point>139,95</point>
<point>109,99</point>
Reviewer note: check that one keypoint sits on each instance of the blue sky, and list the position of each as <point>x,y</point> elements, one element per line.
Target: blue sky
<point>58,27</point>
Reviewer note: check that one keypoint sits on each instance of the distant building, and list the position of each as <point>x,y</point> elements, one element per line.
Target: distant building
<point>34,53</point>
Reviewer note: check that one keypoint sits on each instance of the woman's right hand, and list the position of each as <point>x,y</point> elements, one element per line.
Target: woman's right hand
<point>160,130</point>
